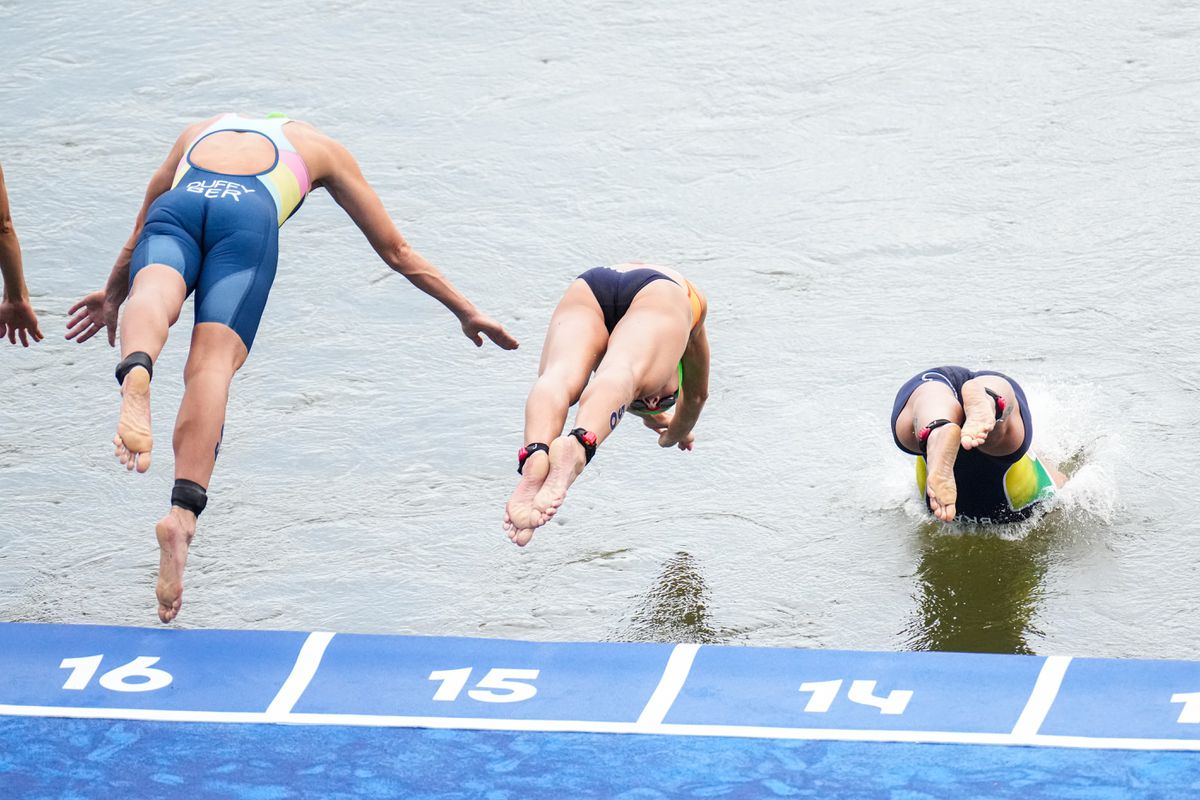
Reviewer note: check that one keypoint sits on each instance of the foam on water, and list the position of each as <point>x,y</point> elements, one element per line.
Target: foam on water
<point>1073,431</point>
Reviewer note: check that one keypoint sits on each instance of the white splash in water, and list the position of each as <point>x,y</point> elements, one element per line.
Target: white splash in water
<point>1074,431</point>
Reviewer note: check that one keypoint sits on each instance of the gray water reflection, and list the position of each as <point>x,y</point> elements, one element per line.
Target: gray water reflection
<point>862,190</point>
<point>676,608</point>
<point>978,592</point>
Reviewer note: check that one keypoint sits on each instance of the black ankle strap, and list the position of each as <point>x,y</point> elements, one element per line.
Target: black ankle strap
<point>1001,403</point>
<point>923,434</point>
<point>189,495</point>
<point>525,452</point>
<point>588,440</point>
<point>136,359</point>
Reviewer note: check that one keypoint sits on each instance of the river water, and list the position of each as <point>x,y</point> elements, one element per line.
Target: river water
<point>863,190</point>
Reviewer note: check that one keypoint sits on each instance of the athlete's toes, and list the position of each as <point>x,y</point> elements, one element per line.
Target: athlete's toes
<point>934,506</point>
<point>168,611</point>
<point>548,509</point>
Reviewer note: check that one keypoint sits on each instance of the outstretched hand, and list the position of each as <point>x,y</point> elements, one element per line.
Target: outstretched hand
<point>476,323</point>
<point>657,422</point>
<point>661,424</point>
<point>18,319</point>
<point>668,439</point>
<point>91,315</point>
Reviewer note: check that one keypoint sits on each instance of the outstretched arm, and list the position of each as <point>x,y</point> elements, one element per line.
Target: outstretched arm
<point>694,392</point>
<point>16,313</point>
<point>10,251</point>
<point>351,191</point>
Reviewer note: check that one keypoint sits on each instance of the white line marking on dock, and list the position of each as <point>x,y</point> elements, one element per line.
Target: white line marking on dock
<point>302,674</point>
<point>673,677</point>
<point>1045,690</point>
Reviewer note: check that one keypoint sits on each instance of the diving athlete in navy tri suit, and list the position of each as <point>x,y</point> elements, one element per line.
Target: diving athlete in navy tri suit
<point>641,329</point>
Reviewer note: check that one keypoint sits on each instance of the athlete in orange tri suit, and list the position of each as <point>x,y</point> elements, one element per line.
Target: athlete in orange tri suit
<point>210,224</point>
<point>641,328</point>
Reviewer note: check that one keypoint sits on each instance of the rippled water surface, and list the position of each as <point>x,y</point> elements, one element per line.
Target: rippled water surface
<point>864,190</point>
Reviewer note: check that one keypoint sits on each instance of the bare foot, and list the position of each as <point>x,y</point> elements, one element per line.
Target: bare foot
<point>981,415</point>
<point>520,515</point>
<point>133,440</point>
<point>941,451</point>
<point>566,462</point>
<point>518,536</point>
<point>531,517</point>
<point>175,532</point>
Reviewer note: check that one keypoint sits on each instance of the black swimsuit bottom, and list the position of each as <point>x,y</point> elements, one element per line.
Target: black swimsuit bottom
<point>615,290</point>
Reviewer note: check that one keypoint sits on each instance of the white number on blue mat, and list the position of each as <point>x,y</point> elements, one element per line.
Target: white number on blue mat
<point>453,681</point>
<point>861,692</point>
<point>1191,707</point>
<point>497,686</point>
<point>823,695</point>
<point>82,670</point>
<point>138,675</point>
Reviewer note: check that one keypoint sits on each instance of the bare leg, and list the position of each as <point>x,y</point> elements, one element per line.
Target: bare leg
<point>981,428</point>
<point>153,307</point>
<point>931,401</point>
<point>217,352</point>
<point>552,394</point>
<point>574,343</point>
<point>643,351</point>
<point>613,387</point>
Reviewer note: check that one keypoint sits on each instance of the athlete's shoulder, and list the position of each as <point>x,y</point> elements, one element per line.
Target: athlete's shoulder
<point>204,123</point>
<point>305,134</point>
<point>186,139</point>
<point>195,128</point>
<point>324,155</point>
<point>301,126</point>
